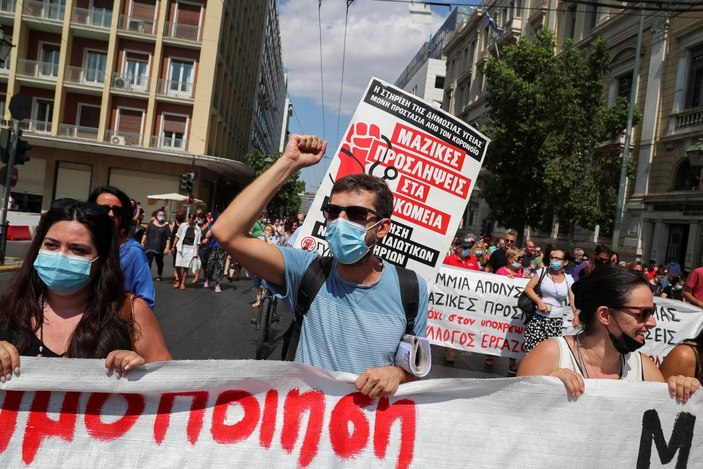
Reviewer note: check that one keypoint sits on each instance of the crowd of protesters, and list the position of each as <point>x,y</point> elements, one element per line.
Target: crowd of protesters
<point>66,300</point>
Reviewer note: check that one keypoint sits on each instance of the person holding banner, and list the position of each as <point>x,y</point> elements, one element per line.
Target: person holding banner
<point>461,255</point>
<point>68,298</point>
<point>356,320</point>
<point>616,311</point>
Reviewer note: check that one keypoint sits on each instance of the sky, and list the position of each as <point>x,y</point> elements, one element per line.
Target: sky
<point>381,39</point>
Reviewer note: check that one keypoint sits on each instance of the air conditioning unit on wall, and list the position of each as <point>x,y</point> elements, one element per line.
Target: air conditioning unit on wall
<point>117,140</point>
<point>120,82</point>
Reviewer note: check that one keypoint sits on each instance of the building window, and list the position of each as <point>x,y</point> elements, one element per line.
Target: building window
<point>94,67</point>
<point>173,130</point>
<point>439,82</point>
<point>136,70</point>
<point>43,114</point>
<point>181,78</point>
<point>49,56</point>
<point>686,178</point>
<point>625,86</point>
<point>694,96</point>
<point>571,23</point>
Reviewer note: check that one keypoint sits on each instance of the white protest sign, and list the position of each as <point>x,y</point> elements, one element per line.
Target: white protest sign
<point>477,311</point>
<point>429,159</point>
<point>69,413</point>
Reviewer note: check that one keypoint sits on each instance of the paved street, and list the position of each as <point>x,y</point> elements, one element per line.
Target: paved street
<point>199,324</point>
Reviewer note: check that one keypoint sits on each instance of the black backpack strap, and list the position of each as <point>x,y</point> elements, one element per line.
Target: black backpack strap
<point>409,295</point>
<point>313,278</point>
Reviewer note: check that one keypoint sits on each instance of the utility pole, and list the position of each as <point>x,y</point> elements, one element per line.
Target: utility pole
<point>19,109</point>
<point>617,225</point>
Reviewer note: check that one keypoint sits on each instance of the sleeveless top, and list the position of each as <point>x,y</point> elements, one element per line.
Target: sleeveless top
<point>632,369</point>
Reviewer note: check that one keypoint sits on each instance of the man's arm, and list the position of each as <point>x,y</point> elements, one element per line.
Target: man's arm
<point>688,296</point>
<point>232,228</point>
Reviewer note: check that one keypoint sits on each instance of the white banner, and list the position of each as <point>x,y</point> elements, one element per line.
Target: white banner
<point>69,413</point>
<point>477,311</point>
<point>429,159</point>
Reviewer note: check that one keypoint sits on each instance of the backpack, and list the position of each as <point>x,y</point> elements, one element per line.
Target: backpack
<point>313,278</point>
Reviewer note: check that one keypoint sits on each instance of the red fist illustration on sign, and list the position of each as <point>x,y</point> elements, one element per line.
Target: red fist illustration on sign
<point>355,152</point>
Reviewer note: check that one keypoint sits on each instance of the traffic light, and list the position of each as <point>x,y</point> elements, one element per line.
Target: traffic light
<point>187,182</point>
<point>5,136</point>
<point>23,147</point>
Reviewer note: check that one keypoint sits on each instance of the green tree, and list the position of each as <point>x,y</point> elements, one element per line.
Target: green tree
<point>287,199</point>
<point>549,122</point>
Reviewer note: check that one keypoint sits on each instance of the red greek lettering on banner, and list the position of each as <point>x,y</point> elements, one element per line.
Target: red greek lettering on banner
<point>40,426</point>
<point>109,431</point>
<point>386,414</point>
<point>293,408</point>
<point>348,411</point>
<point>8,417</point>
<point>195,417</point>
<point>224,433</point>
<point>268,420</point>
<point>429,146</point>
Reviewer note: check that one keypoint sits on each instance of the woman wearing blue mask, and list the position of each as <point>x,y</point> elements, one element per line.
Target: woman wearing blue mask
<point>616,311</point>
<point>556,302</point>
<point>68,300</point>
<point>157,241</point>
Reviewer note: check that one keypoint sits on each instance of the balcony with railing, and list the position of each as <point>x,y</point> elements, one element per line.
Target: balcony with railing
<point>46,10</point>
<point>176,89</point>
<point>117,137</point>
<point>7,7</point>
<point>168,143</point>
<point>133,24</point>
<point>82,76</point>
<point>95,17</point>
<point>36,126</point>
<point>127,82</point>
<point>34,69</point>
<point>688,119</point>
<point>77,131</point>
<point>186,32</point>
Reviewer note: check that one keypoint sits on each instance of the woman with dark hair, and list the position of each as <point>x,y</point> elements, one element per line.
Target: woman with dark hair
<point>157,240</point>
<point>68,300</point>
<point>137,273</point>
<point>616,311</point>
<point>185,248</point>
<point>685,359</point>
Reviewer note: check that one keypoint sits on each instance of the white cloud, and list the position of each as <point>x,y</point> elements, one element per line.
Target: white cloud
<point>381,40</point>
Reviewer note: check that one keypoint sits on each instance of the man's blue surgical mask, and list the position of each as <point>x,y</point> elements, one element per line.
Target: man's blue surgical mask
<point>347,240</point>
<point>555,265</point>
<point>63,274</point>
<point>465,252</point>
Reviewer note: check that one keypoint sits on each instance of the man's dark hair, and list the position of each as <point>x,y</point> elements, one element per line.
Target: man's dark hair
<point>603,248</point>
<point>363,182</point>
<point>126,219</point>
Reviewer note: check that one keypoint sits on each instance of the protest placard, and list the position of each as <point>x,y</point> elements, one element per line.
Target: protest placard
<point>429,159</point>
<point>280,414</point>
<point>477,312</point>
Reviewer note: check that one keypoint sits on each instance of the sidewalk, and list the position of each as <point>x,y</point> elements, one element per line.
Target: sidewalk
<point>11,263</point>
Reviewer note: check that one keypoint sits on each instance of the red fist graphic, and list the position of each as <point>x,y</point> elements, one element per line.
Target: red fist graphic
<point>355,152</point>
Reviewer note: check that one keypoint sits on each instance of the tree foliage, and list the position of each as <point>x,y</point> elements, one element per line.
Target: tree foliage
<point>287,200</point>
<point>549,122</point>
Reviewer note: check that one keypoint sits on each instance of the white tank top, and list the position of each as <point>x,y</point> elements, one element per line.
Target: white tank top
<point>631,368</point>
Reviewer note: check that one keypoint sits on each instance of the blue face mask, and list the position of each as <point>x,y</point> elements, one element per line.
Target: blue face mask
<point>555,265</point>
<point>478,253</point>
<point>516,265</point>
<point>161,218</point>
<point>465,252</point>
<point>61,273</point>
<point>679,287</point>
<point>347,240</point>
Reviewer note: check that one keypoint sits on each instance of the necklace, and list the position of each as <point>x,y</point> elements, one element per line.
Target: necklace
<point>41,339</point>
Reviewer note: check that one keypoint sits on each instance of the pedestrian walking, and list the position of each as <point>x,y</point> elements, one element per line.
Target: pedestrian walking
<point>157,241</point>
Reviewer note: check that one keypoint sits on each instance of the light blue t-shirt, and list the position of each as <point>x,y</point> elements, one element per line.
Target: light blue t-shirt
<point>350,327</point>
<point>137,274</point>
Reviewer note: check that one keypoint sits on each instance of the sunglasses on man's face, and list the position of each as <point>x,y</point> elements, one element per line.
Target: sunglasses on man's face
<point>354,213</point>
<point>509,241</point>
<point>88,208</point>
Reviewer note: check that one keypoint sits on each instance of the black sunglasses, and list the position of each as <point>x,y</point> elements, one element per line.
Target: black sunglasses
<point>642,315</point>
<point>354,212</point>
<point>88,208</point>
